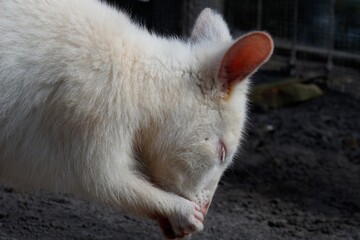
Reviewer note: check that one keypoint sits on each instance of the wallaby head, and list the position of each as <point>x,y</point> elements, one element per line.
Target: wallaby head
<point>187,150</point>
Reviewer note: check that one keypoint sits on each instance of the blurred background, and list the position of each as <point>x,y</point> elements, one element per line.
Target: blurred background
<point>323,34</point>
<point>297,174</point>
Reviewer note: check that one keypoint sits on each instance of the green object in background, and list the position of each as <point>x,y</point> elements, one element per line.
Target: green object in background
<point>286,92</point>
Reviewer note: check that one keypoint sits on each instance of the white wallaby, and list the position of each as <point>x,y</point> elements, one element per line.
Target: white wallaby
<point>94,105</point>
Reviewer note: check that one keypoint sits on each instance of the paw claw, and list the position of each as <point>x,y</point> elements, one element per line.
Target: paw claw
<point>197,208</point>
<point>184,220</point>
<point>199,217</point>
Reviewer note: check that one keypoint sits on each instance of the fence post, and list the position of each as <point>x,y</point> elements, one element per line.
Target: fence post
<point>294,36</point>
<point>331,39</point>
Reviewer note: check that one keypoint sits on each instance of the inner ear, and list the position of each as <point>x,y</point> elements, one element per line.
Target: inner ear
<point>244,57</point>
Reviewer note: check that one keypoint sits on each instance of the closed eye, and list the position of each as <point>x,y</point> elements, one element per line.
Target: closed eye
<point>221,151</point>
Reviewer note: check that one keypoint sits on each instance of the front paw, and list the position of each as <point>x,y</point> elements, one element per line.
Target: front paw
<point>186,218</point>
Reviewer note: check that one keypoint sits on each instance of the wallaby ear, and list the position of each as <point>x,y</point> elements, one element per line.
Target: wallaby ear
<point>243,58</point>
<point>209,26</point>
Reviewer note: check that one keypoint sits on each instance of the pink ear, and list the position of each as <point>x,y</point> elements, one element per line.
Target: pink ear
<point>246,55</point>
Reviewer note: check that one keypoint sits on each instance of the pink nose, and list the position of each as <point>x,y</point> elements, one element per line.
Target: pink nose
<point>205,209</point>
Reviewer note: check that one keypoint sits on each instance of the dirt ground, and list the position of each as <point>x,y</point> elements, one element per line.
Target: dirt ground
<point>297,177</point>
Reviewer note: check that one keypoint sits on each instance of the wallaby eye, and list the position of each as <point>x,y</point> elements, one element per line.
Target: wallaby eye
<point>221,151</point>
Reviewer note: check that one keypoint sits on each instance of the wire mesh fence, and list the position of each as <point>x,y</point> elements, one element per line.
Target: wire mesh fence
<point>311,37</point>
<point>327,29</point>
<point>324,31</point>
<point>322,34</point>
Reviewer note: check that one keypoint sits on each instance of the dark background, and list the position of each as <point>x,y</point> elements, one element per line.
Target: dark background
<point>297,175</point>
<point>315,30</point>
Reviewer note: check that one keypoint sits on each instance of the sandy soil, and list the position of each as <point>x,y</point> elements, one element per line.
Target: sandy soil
<point>297,177</point>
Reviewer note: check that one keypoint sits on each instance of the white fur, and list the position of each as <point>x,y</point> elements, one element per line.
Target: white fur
<point>92,104</point>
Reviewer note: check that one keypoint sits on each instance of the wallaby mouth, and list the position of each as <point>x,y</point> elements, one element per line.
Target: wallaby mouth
<point>166,228</point>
